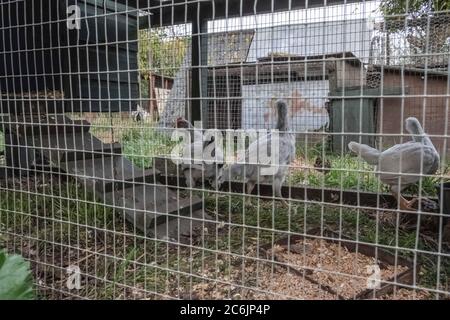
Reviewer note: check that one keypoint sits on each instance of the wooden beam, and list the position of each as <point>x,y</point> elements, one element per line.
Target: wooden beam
<point>199,62</point>
<point>179,11</point>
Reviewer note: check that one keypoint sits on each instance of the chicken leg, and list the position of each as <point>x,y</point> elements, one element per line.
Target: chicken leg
<point>277,184</point>
<point>403,203</point>
<point>250,186</point>
<point>190,181</point>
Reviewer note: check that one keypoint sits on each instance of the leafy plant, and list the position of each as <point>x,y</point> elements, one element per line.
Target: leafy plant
<point>15,278</point>
<point>161,50</point>
<point>422,23</point>
<point>415,8</point>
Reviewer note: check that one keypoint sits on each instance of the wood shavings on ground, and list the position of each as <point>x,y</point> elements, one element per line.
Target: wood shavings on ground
<point>334,265</point>
<point>283,286</point>
<point>266,284</point>
<point>406,294</point>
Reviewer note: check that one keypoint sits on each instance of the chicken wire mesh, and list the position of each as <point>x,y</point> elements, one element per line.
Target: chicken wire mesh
<point>100,195</point>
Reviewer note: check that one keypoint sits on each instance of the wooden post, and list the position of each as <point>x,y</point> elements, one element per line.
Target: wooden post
<point>199,62</point>
<point>152,103</point>
<point>150,90</point>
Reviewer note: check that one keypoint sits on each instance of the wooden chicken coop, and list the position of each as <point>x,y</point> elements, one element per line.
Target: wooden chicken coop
<point>271,76</point>
<point>430,109</point>
<point>92,67</point>
<point>54,69</point>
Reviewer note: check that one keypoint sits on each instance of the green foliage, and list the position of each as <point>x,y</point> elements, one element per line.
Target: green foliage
<point>311,152</point>
<point>348,172</point>
<point>142,144</point>
<point>161,51</point>
<point>16,282</point>
<point>413,7</point>
<point>427,29</point>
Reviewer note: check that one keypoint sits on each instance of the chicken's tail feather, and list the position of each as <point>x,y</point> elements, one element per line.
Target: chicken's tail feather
<point>282,121</point>
<point>369,154</point>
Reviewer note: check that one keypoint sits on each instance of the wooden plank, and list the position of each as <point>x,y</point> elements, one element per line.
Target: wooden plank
<point>60,148</point>
<point>108,173</point>
<point>199,62</point>
<point>180,11</point>
<point>184,228</point>
<point>169,176</point>
<point>79,154</point>
<point>148,205</point>
<point>356,92</point>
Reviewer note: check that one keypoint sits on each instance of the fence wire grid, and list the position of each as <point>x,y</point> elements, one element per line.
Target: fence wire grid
<point>131,134</point>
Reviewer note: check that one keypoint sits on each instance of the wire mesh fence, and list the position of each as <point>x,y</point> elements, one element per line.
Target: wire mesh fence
<point>226,149</point>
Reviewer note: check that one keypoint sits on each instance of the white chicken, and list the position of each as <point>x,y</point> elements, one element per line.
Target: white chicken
<point>192,170</point>
<point>253,172</point>
<point>402,164</point>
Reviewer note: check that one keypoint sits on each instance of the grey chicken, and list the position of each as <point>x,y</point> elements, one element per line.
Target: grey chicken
<point>194,172</point>
<point>253,173</point>
<point>402,164</point>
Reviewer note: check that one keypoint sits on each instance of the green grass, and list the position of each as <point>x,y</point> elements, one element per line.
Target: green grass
<point>348,172</point>
<point>56,224</point>
<point>59,225</point>
<point>141,141</point>
<point>141,145</point>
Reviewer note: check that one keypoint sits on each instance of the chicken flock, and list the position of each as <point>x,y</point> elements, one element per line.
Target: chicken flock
<point>200,170</point>
<point>399,166</point>
<point>245,167</point>
<point>253,172</point>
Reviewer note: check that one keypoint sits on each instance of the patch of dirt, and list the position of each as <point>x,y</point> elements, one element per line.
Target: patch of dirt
<point>334,265</point>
